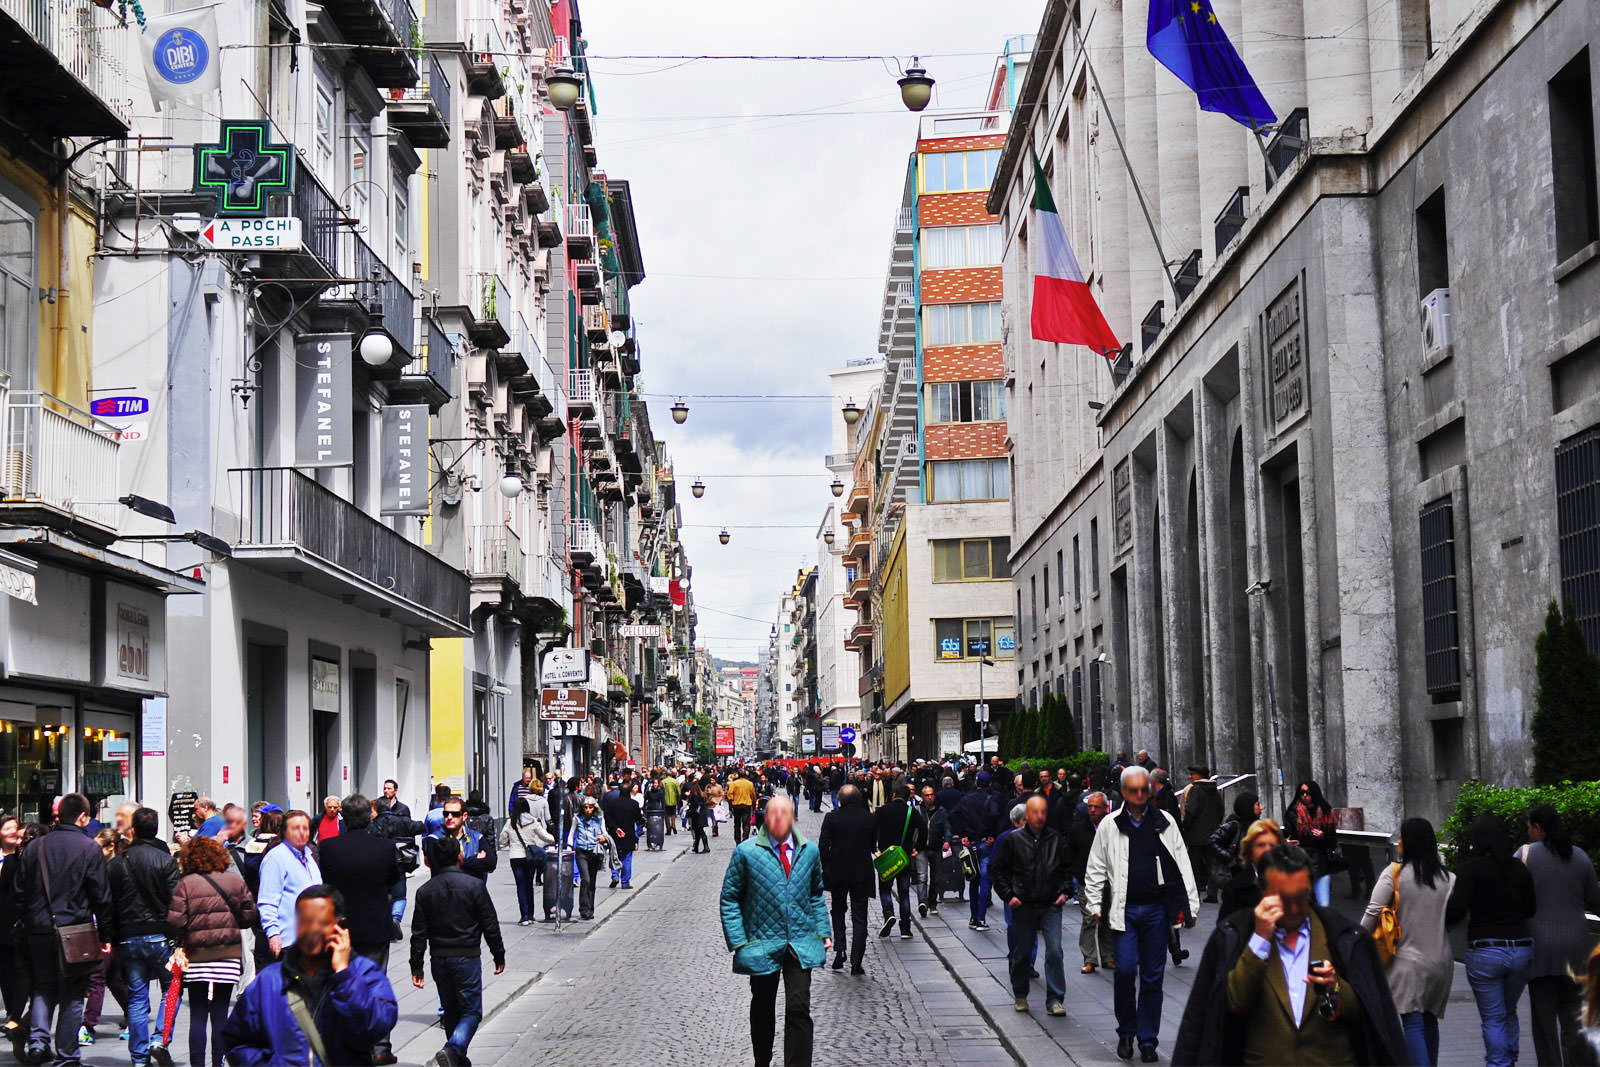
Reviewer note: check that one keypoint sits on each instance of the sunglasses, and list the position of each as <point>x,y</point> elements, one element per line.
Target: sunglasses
<point>455,814</point>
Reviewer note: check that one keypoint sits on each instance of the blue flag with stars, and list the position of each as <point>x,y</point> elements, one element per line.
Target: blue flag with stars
<point>1186,38</point>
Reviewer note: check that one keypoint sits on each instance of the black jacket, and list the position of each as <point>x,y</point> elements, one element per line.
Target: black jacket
<point>1202,813</point>
<point>451,913</point>
<point>893,828</point>
<point>976,817</point>
<point>622,821</point>
<point>141,880</point>
<point>845,847</point>
<point>1031,867</point>
<point>363,865</point>
<point>1080,839</point>
<point>77,877</point>
<point>1210,1034</point>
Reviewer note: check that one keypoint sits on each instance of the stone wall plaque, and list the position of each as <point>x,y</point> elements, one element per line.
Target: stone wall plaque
<point>1122,503</point>
<point>1286,358</point>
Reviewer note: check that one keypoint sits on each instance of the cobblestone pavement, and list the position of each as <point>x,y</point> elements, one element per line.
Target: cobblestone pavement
<point>597,1006</point>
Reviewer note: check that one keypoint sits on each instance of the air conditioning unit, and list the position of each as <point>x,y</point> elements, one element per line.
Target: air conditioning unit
<point>1435,322</point>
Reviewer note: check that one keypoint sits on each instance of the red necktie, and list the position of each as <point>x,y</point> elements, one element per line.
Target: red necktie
<point>783,854</point>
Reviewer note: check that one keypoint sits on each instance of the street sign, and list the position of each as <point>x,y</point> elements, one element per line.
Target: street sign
<point>563,705</point>
<point>252,235</point>
<point>642,630</point>
<point>722,740</point>
<point>808,743</point>
<point>564,665</point>
<point>847,735</point>
<point>980,712</point>
<point>830,738</point>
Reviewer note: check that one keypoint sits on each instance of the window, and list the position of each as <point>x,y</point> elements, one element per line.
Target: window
<point>960,246</point>
<point>1047,600</point>
<point>961,324</point>
<point>1433,261</point>
<point>1578,528</point>
<point>19,308</point>
<point>969,479</point>
<point>954,172</point>
<point>966,402</point>
<point>402,226</point>
<point>324,124</point>
<point>1033,603</point>
<point>1572,162</point>
<point>1440,631</point>
<point>1094,556</point>
<point>974,559</point>
<point>1061,582</point>
<point>971,639</point>
<point>1077,573</point>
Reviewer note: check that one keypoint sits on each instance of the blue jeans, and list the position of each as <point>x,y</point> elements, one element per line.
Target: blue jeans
<point>627,871</point>
<point>1011,940</point>
<point>979,886</point>
<point>144,961</point>
<point>460,981</point>
<point>55,994</point>
<point>522,875</point>
<point>1422,1037</point>
<point>898,886</point>
<point>1498,975</point>
<point>1027,923</point>
<point>1141,955</point>
<point>1323,888</point>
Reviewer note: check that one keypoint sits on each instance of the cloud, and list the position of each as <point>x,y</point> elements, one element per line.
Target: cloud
<point>765,229</point>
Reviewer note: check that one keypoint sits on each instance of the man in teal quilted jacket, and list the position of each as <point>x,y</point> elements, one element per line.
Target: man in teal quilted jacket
<point>776,925</point>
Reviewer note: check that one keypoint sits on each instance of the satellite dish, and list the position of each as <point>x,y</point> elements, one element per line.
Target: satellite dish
<point>617,338</point>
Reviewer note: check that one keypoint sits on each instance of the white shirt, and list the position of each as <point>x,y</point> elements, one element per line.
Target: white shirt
<point>1296,962</point>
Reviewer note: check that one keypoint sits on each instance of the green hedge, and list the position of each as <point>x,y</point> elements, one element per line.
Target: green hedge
<point>1090,763</point>
<point>1577,802</point>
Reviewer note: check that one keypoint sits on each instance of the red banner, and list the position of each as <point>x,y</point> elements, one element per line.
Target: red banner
<point>723,740</point>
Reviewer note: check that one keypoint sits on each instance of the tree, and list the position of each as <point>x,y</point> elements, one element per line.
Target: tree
<point>1028,743</point>
<point>1060,739</point>
<point>1566,717</point>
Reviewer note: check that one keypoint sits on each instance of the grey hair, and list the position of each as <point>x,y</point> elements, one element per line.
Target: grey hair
<point>1091,797</point>
<point>1019,813</point>
<point>1129,773</point>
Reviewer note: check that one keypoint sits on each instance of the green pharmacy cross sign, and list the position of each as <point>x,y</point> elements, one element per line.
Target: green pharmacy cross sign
<point>243,168</point>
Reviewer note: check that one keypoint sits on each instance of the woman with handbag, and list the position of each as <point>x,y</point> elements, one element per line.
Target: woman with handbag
<point>1313,826</point>
<point>715,803</point>
<point>1406,917</point>
<point>211,909</point>
<point>522,841</point>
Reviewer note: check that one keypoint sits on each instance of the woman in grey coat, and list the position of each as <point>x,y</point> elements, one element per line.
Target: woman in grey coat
<point>1561,942</point>
<point>1422,969</point>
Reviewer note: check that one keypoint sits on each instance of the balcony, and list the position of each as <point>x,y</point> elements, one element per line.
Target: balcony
<point>595,323</point>
<point>859,637</point>
<point>323,227</point>
<point>382,302</point>
<point>587,272</point>
<point>430,379</point>
<point>383,32</point>
<point>553,423</point>
<point>1287,145</point>
<point>859,591</point>
<point>58,466</point>
<point>583,544</point>
<point>65,69</point>
<point>486,54</point>
<point>550,225</point>
<point>301,531</point>
<point>616,305</point>
<point>860,544</point>
<point>581,392</point>
<point>546,586</point>
<point>422,112</point>
<point>1187,277</point>
<point>496,564</point>
<point>1232,218</point>
<point>580,230</point>
<point>520,352</point>
<point>857,502</point>
<point>523,171</point>
<point>491,311</point>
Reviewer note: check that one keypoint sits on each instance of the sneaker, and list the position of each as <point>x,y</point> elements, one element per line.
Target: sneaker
<point>396,931</point>
<point>123,1035</point>
<point>524,922</point>
<point>905,935</point>
<point>922,910</point>
<point>933,909</point>
<point>160,1056</point>
<point>85,1036</point>
<point>887,927</point>
<point>980,925</point>
<point>1021,1003</point>
<point>972,924</point>
<point>1056,1009</point>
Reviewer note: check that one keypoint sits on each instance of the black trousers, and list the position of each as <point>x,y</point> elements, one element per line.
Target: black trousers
<point>741,821</point>
<point>588,868</point>
<point>797,1028</point>
<point>854,897</point>
<point>1555,1004</point>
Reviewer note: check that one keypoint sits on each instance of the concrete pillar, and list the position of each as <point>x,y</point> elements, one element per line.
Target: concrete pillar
<point>1172,483</point>
<point>1144,632</point>
<point>1272,34</point>
<point>1228,149</point>
<point>1178,165</point>
<point>1397,46</point>
<point>1337,67</point>
<point>1262,630</point>
<point>1147,281</point>
<point>1213,456</point>
<point>1108,194</point>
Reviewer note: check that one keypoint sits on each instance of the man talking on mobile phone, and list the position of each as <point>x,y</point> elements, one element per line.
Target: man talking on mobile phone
<point>319,1003</point>
<point>1289,983</point>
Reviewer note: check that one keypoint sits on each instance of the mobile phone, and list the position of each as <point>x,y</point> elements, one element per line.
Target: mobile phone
<point>1317,964</point>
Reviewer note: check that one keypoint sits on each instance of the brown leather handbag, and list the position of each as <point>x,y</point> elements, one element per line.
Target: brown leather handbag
<point>80,942</point>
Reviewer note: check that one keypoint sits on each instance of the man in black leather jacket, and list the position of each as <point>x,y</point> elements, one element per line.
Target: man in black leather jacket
<point>142,878</point>
<point>845,846</point>
<point>1031,872</point>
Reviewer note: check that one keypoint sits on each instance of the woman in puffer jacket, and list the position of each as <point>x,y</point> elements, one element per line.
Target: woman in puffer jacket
<point>210,905</point>
<point>522,840</point>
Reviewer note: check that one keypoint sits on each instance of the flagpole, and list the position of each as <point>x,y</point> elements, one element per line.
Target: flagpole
<point>1138,190</point>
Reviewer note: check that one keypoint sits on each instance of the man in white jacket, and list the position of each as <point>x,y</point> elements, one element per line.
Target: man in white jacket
<point>1139,881</point>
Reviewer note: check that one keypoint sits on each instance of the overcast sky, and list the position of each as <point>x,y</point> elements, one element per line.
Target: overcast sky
<point>765,236</point>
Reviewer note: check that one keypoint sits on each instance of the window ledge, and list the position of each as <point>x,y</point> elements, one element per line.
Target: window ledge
<point>1579,259</point>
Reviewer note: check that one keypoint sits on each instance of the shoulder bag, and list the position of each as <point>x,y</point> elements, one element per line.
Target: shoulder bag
<point>80,944</point>
<point>892,860</point>
<point>1386,935</point>
<point>306,1021</point>
<point>238,920</point>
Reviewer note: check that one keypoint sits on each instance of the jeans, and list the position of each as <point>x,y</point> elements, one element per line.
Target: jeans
<point>898,886</point>
<point>853,897</point>
<point>56,993</point>
<point>1497,975</point>
<point>1011,939</point>
<point>1027,923</point>
<point>1141,955</point>
<point>460,981</point>
<point>144,960</point>
<point>588,868</point>
<point>1422,1038</point>
<point>978,888</point>
<point>522,874</point>
<point>397,900</point>
<point>1555,1003</point>
<point>1095,939</point>
<point>797,1027</point>
<point>626,866</point>
<point>927,863</point>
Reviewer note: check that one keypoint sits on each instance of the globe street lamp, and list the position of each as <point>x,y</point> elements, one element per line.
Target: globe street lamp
<point>698,489</point>
<point>837,487</point>
<point>827,538</point>
<point>916,88</point>
<point>680,413</point>
<point>724,536</point>
<point>851,412</point>
<point>565,87</point>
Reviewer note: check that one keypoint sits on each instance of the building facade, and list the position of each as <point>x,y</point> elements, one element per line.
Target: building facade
<point>1258,519</point>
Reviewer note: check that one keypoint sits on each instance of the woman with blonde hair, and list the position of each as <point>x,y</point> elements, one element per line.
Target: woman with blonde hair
<point>1243,891</point>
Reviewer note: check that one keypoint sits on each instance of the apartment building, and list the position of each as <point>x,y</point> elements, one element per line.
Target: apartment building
<point>1265,555</point>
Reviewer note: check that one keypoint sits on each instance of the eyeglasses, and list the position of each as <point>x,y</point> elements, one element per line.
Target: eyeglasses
<point>454,814</point>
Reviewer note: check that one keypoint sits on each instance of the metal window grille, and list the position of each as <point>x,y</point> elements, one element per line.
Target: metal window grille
<point>1578,529</point>
<point>1441,636</point>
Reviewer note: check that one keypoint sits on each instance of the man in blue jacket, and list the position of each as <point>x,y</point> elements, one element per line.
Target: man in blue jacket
<point>776,925</point>
<point>319,1001</point>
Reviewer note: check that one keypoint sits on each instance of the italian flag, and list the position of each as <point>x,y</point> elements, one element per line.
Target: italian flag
<point>1063,307</point>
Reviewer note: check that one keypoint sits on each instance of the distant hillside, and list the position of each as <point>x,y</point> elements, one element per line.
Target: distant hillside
<point>720,663</point>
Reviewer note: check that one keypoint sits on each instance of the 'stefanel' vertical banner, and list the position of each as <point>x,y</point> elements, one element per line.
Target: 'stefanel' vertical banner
<point>404,481</point>
<point>323,433</point>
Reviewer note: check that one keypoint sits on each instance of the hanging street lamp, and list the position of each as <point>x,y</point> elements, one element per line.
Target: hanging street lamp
<point>827,538</point>
<point>724,536</point>
<point>565,87</point>
<point>698,489</point>
<point>680,413</point>
<point>837,487</point>
<point>916,88</point>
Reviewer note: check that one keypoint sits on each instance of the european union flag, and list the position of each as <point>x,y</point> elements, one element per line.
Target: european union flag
<point>1185,37</point>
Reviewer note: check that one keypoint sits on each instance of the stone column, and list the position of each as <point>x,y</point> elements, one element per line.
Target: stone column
<point>1109,204</point>
<point>1213,458</point>
<point>1272,33</point>
<point>1337,69</point>
<point>1143,636</point>
<point>1228,149</point>
<point>1178,165</point>
<point>1263,636</point>
<point>1147,281</point>
<point>1172,483</point>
